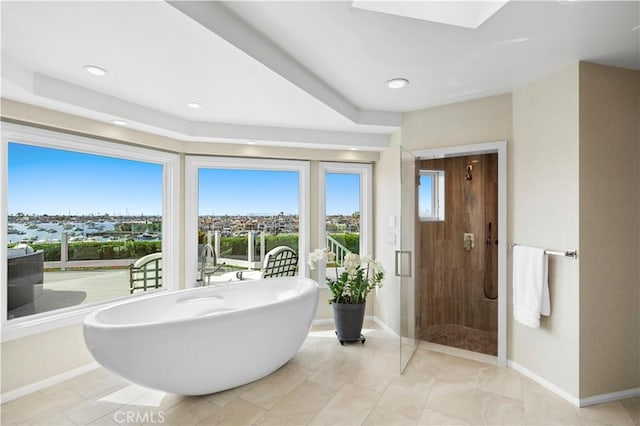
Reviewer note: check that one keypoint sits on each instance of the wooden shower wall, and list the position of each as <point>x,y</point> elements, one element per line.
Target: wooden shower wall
<point>451,279</point>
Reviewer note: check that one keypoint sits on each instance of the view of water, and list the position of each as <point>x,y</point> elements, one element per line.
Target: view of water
<point>52,232</point>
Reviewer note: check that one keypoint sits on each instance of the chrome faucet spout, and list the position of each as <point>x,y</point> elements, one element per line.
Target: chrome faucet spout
<point>206,252</point>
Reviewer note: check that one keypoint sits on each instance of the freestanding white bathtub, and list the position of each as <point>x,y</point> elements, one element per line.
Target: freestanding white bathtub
<point>204,340</point>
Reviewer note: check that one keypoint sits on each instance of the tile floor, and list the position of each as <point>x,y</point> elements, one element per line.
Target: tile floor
<point>326,383</point>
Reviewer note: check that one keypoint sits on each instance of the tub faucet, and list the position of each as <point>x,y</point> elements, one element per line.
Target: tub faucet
<point>207,252</point>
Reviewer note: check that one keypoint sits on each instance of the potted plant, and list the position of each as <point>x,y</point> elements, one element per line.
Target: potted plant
<point>350,289</point>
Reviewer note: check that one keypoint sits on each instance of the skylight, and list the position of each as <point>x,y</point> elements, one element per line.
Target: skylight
<point>468,14</point>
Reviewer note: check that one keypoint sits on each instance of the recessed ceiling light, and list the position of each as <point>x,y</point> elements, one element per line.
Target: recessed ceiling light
<point>94,70</point>
<point>353,148</point>
<point>397,83</point>
<point>193,105</point>
<point>119,122</point>
<point>252,142</point>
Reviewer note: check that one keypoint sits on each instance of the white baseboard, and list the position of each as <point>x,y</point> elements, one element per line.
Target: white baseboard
<point>384,326</point>
<point>544,382</point>
<point>609,397</point>
<point>578,402</point>
<point>50,381</point>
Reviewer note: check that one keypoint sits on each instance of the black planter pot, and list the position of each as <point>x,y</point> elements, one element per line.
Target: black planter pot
<point>348,319</point>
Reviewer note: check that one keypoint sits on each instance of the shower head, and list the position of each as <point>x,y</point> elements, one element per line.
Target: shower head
<point>468,176</point>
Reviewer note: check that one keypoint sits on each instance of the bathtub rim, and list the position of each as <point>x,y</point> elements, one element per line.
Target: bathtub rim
<point>92,321</point>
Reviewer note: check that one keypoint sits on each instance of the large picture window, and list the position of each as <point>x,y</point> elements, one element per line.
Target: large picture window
<point>84,222</point>
<point>243,210</point>
<point>345,209</point>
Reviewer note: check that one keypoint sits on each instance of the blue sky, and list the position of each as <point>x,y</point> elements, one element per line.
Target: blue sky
<point>230,192</point>
<point>54,181</point>
<point>424,195</point>
<point>343,193</point>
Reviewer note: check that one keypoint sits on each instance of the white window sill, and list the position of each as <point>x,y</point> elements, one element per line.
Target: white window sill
<point>39,323</point>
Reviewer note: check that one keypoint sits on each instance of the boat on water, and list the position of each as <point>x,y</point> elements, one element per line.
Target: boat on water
<point>147,237</point>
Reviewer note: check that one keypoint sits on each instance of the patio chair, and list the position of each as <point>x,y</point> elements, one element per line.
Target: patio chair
<point>146,273</point>
<point>281,261</point>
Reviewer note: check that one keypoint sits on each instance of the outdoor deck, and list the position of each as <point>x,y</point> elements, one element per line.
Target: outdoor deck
<point>63,289</point>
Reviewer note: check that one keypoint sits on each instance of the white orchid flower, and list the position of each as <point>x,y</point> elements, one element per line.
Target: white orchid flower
<point>362,274</point>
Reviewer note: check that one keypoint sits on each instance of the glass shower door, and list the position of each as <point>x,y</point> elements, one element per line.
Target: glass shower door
<point>405,257</point>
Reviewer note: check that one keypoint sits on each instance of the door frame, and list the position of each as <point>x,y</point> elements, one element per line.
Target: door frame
<point>499,147</point>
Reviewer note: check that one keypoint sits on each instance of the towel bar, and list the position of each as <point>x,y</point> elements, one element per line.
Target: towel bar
<point>566,253</point>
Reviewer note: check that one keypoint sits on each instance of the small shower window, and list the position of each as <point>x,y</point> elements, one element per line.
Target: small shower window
<point>431,195</point>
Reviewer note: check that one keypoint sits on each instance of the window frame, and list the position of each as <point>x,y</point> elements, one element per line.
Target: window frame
<point>195,162</point>
<point>365,171</point>
<point>27,135</point>
<point>437,195</point>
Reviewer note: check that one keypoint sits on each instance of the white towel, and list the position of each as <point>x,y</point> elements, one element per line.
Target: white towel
<point>530,285</point>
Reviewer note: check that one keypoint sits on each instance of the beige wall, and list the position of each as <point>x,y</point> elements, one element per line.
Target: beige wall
<point>387,206</point>
<point>22,358</point>
<point>543,212</point>
<point>41,356</point>
<point>609,227</point>
<point>463,123</point>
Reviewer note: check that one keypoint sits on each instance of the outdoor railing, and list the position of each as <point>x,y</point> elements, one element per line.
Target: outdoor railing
<point>246,251</point>
<point>251,262</point>
<point>336,247</point>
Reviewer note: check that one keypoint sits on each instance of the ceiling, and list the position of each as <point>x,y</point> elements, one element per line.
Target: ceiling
<point>308,73</point>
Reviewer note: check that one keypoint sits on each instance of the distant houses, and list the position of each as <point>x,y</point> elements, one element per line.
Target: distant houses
<point>272,224</point>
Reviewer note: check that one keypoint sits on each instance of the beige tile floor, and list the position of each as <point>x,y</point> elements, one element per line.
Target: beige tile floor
<point>326,383</point>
